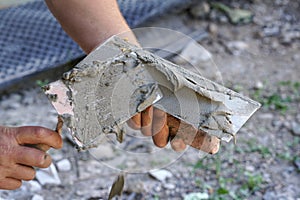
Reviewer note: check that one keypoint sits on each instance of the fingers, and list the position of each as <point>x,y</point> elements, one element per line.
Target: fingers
<point>22,172</point>
<point>32,157</point>
<point>181,132</point>
<point>160,130</point>
<point>10,184</point>
<point>38,135</point>
<point>147,116</point>
<point>178,144</point>
<point>135,122</point>
<point>206,143</point>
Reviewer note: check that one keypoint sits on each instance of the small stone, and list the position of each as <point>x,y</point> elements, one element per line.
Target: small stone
<point>34,186</point>
<point>37,197</point>
<point>200,10</point>
<point>195,53</point>
<point>297,163</point>
<point>296,128</point>
<point>161,175</point>
<point>277,123</point>
<point>296,57</point>
<point>289,36</point>
<point>236,47</point>
<point>287,124</point>
<point>270,31</point>
<point>213,29</point>
<point>64,165</point>
<point>266,116</point>
<point>250,168</point>
<point>102,152</point>
<point>270,195</point>
<point>298,117</point>
<point>48,176</point>
<point>169,186</point>
<point>258,85</point>
<point>57,155</point>
<point>196,196</point>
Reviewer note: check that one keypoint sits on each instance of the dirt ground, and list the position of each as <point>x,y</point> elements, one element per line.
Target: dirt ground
<point>260,59</point>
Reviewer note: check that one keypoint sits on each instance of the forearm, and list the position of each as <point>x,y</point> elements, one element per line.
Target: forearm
<point>89,22</point>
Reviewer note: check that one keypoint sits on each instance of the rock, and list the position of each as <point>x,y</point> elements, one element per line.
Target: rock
<point>236,47</point>
<point>298,117</point>
<point>250,168</point>
<point>135,186</point>
<point>269,195</point>
<point>271,31</point>
<point>296,128</point>
<point>195,53</point>
<point>258,85</point>
<point>104,151</point>
<point>161,175</point>
<point>34,186</point>
<point>266,116</point>
<point>213,29</point>
<point>200,10</point>
<point>10,104</point>
<point>56,156</point>
<point>288,37</point>
<point>297,163</point>
<point>169,186</point>
<point>296,57</point>
<point>64,165</point>
<point>37,197</point>
<point>277,123</point>
<point>287,124</point>
<point>196,196</point>
<point>48,176</point>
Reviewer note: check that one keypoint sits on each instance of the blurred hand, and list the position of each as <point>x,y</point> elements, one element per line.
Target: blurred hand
<point>164,128</point>
<point>21,149</point>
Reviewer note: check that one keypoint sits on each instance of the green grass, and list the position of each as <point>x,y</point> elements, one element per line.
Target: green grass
<point>232,181</point>
<point>277,99</point>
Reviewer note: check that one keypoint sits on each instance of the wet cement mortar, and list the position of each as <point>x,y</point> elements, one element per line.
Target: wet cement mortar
<point>257,60</point>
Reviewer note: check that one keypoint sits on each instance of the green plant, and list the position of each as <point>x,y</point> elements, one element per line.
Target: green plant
<point>275,99</point>
<point>253,182</point>
<point>42,83</point>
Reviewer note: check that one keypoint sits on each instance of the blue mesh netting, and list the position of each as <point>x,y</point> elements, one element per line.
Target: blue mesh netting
<point>31,40</point>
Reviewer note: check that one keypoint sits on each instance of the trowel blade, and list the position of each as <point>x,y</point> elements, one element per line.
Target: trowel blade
<point>101,93</point>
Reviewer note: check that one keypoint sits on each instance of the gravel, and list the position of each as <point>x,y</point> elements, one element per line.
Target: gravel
<point>263,164</point>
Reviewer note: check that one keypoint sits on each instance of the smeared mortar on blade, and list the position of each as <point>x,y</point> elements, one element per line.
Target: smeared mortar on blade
<point>105,91</point>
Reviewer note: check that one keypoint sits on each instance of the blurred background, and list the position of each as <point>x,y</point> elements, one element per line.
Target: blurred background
<point>255,48</point>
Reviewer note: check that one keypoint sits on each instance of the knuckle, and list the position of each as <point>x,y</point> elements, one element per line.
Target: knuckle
<point>159,113</point>
<point>39,132</point>
<point>44,161</point>
<point>17,185</point>
<point>31,175</point>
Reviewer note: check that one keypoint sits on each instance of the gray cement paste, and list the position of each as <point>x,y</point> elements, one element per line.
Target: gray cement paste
<point>118,79</point>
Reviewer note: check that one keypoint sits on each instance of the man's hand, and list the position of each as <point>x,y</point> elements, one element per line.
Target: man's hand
<point>164,128</point>
<point>19,153</point>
